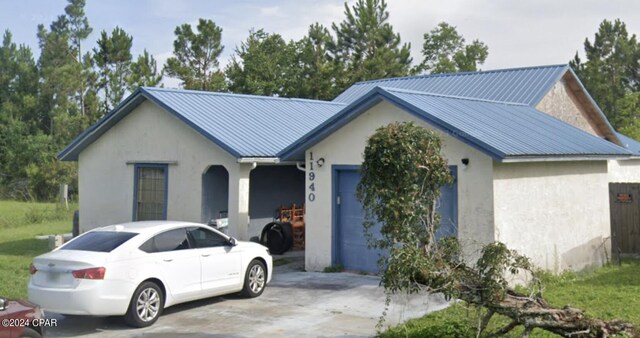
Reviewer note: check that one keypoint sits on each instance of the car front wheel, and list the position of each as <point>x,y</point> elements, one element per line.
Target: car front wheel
<point>255,279</point>
<point>146,305</point>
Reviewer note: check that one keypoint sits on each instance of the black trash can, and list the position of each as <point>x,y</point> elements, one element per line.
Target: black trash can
<point>278,237</point>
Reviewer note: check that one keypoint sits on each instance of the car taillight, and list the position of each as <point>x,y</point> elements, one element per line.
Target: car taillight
<point>32,269</point>
<point>91,273</point>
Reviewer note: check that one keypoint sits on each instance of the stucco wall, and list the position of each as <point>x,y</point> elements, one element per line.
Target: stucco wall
<point>345,147</point>
<point>624,171</point>
<point>557,213</point>
<point>559,102</point>
<point>146,134</point>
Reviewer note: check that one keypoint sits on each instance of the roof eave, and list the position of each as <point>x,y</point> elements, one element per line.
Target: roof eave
<point>258,160</point>
<point>70,154</point>
<point>563,158</point>
<point>613,137</point>
<point>292,151</point>
<point>72,151</point>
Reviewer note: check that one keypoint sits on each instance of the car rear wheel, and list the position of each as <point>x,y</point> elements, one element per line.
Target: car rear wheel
<point>146,305</point>
<point>255,279</point>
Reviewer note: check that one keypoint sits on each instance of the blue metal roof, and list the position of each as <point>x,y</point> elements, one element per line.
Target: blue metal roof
<point>504,131</point>
<point>491,111</point>
<point>631,144</point>
<point>517,85</point>
<point>243,125</point>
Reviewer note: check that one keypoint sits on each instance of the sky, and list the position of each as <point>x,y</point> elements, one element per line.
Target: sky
<point>518,33</point>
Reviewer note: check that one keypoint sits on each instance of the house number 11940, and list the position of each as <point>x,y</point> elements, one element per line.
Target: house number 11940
<point>312,176</point>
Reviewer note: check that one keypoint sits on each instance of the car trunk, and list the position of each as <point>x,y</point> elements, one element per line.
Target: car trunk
<point>54,270</point>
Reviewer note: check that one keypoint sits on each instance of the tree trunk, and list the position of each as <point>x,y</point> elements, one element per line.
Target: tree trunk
<point>536,313</point>
<point>532,312</point>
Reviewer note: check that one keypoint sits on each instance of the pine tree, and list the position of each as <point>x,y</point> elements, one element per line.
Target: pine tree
<point>144,72</point>
<point>263,65</point>
<point>195,60</point>
<point>366,46</point>
<point>113,59</point>
<point>59,71</point>
<point>611,70</point>
<point>79,30</point>
<point>444,51</point>
<point>318,71</point>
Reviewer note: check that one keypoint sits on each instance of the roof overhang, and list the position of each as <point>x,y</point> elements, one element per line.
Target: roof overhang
<point>72,151</point>
<point>593,111</point>
<point>552,158</point>
<point>259,160</point>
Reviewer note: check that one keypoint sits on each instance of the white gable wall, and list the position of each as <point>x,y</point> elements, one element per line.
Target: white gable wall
<point>346,146</point>
<point>146,134</point>
<point>557,213</point>
<point>560,103</point>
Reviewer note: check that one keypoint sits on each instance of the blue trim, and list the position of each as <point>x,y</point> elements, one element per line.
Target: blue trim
<point>368,100</point>
<point>137,166</point>
<point>67,155</point>
<point>71,152</point>
<point>327,127</point>
<point>453,169</point>
<point>335,208</point>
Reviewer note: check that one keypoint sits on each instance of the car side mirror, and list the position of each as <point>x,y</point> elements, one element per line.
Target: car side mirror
<point>3,304</point>
<point>233,241</point>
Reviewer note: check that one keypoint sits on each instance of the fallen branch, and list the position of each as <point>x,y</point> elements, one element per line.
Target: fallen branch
<point>535,312</point>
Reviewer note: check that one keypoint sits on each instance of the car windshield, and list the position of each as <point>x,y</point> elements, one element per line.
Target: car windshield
<point>99,241</point>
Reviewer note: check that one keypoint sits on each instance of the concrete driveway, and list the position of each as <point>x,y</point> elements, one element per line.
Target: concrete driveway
<point>295,304</point>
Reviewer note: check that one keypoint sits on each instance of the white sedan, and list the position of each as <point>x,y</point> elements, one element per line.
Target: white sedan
<point>138,269</point>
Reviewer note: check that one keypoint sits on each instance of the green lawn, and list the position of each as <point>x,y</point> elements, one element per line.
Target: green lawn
<point>608,293</point>
<point>19,224</point>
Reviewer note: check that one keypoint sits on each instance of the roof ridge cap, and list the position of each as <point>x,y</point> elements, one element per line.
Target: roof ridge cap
<point>500,70</point>
<point>391,89</point>
<point>261,97</point>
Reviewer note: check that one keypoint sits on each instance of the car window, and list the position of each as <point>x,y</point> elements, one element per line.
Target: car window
<point>99,241</point>
<point>167,241</point>
<point>203,238</point>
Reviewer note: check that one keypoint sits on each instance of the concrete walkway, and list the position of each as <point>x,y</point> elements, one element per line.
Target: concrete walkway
<point>294,304</point>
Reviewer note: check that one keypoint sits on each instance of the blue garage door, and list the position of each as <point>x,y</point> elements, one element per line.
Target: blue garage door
<point>350,245</point>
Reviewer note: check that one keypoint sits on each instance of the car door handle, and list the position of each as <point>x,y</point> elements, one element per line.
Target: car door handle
<point>206,255</point>
<point>168,259</point>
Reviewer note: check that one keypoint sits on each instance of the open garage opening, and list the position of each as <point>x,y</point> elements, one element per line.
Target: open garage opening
<point>272,188</point>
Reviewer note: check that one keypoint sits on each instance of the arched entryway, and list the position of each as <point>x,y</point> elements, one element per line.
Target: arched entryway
<point>215,193</point>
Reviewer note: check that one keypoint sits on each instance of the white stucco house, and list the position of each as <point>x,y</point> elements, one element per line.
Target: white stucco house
<point>533,157</point>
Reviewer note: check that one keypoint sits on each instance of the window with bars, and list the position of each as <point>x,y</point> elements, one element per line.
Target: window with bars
<point>150,192</point>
